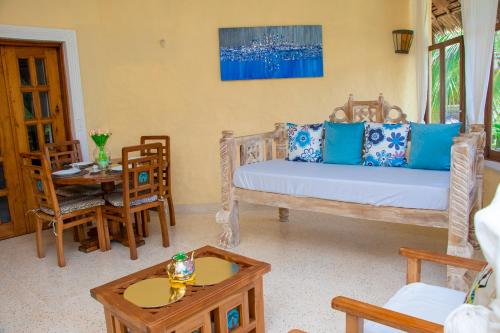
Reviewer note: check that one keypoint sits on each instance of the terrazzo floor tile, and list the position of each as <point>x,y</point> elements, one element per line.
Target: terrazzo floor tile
<point>314,257</point>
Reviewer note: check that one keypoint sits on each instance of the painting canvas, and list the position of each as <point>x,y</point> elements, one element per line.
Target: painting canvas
<point>271,52</point>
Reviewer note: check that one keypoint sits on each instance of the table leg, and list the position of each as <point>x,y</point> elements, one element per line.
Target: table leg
<point>116,233</point>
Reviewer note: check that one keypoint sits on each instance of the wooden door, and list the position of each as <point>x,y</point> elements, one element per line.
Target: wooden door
<point>32,114</point>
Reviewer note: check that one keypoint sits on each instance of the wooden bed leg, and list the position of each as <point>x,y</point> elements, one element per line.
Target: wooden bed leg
<point>283,214</point>
<point>230,236</point>
<point>472,227</point>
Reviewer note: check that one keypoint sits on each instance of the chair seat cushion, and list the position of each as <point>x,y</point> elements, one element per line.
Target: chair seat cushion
<point>116,199</point>
<point>78,190</point>
<point>71,205</point>
<point>424,301</point>
<point>378,186</point>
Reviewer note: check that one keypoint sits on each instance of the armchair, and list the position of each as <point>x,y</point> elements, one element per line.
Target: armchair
<point>357,311</point>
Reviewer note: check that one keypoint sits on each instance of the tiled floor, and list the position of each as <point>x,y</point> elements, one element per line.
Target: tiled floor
<point>314,257</point>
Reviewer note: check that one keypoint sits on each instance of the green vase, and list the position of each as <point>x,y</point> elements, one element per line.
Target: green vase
<point>102,157</point>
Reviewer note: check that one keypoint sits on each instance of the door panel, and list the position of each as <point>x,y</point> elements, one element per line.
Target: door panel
<point>35,113</point>
<point>11,205</point>
<point>34,85</point>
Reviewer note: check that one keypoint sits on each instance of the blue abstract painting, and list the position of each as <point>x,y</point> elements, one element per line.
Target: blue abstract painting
<point>271,52</point>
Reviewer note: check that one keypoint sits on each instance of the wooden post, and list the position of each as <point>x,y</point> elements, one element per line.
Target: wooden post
<point>477,130</point>
<point>353,324</point>
<point>280,137</point>
<point>465,188</point>
<point>228,215</point>
<point>413,270</point>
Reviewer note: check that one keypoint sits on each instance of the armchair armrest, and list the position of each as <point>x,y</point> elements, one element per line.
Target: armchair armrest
<point>356,311</point>
<point>415,258</point>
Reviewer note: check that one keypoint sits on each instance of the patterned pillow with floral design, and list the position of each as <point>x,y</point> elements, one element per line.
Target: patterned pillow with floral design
<point>305,142</point>
<point>385,144</point>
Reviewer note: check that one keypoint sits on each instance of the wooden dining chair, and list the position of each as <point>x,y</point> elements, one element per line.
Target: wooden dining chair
<point>62,215</point>
<point>61,155</point>
<point>167,168</point>
<point>142,190</point>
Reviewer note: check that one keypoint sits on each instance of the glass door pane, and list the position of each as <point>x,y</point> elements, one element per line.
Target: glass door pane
<point>452,83</point>
<point>4,210</point>
<point>435,87</point>
<point>495,105</point>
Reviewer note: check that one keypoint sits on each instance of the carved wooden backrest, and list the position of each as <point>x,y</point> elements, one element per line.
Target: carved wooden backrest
<point>165,142</point>
<point>62,154</point>
<point>37,167</point>
<point>378,111</point>
<point>142,175</point>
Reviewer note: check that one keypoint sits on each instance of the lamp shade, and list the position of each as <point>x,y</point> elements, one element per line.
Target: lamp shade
<point>402,40</point>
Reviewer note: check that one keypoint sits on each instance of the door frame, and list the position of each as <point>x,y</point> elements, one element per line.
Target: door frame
<point>67,40</point>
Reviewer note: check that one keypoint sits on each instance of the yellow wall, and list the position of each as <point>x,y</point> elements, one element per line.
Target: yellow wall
<point>133,86</point>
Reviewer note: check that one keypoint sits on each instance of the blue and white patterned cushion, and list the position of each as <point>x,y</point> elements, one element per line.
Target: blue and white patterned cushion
<point>69,205</point>
<point>116,199</point>
<point>305,142</point>
<point>385,144</point>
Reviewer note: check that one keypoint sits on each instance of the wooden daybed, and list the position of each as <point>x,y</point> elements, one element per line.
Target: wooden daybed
<point>465,183</point>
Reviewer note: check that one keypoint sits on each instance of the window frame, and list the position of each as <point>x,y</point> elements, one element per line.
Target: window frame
<point>490,154</point>
<point>442,77</point>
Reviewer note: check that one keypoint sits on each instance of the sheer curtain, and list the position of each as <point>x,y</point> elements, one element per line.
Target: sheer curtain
<point>478,21</point>
<point>422,32</point>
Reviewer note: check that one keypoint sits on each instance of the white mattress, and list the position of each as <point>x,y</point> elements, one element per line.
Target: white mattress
<point>424,301</point>
<point>379,186</point>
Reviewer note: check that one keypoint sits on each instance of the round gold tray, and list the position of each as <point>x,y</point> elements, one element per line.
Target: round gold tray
<point>213,270</point>
<point>153,293</point>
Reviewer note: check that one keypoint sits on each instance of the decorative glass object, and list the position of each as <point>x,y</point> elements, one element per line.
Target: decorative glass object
<point>102,155</point>
<point>181,267</point>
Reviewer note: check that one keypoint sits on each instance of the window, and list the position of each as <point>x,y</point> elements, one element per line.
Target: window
<point>492,110</point>
<point>446,79</point>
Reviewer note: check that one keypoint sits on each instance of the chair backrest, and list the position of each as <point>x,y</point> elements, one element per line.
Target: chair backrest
<point>36,166</point>
<point>142,175</point>
<point>165,142</point>
<point>378,111</point>
<point>63,153</point>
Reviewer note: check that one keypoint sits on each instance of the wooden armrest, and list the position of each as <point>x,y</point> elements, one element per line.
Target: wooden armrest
<point>415,258</point>
<point>445,259</point>
<point>356,311</point>
<point>296,331</point>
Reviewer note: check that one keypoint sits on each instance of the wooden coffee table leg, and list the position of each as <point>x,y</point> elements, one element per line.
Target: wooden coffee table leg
<point>113,325</point>
<point>110,324</point>
<point>259,307</point>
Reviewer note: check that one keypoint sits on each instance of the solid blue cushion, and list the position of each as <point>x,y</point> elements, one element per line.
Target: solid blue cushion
<point>343,143</point>
<point>431,145</point>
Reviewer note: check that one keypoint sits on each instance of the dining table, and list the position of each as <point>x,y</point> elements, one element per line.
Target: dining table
<point>108,179</point>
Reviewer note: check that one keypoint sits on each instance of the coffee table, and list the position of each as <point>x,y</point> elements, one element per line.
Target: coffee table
<point>201,310</point>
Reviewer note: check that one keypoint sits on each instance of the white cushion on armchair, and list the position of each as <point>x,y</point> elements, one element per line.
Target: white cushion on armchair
<point>424,301</point>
